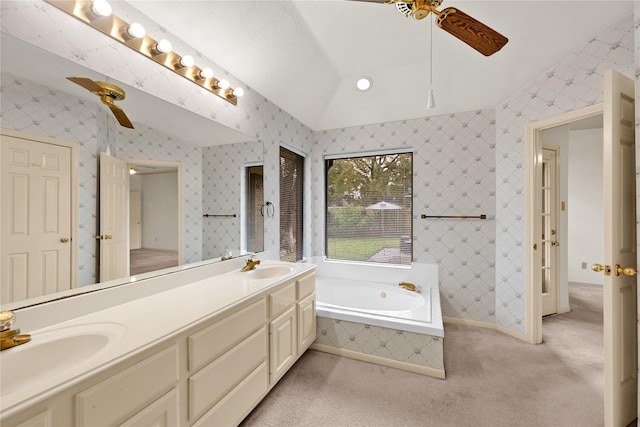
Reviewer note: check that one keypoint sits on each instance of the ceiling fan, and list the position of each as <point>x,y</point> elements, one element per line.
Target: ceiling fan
<point>108,94</point>
<point>457,23</point>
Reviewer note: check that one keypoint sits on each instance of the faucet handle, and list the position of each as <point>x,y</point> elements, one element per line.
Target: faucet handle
<point>6,320</point>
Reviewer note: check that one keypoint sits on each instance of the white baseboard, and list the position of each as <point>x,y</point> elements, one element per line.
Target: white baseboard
<point>424,370</point>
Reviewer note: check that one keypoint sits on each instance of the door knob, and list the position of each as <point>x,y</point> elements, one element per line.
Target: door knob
<point>108,236</point>
<point>64,239</point>
<point>627,271</point>
<point>556,243</point>
<point>599,267</point>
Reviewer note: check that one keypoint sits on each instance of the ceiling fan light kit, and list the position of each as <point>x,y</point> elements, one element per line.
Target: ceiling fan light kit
<point>98,15</point>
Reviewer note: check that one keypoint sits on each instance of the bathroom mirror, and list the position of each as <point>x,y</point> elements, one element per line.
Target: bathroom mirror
<point>38,99</point>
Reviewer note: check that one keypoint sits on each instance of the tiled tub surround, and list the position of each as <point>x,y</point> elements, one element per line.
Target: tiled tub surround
<point>405,339</point>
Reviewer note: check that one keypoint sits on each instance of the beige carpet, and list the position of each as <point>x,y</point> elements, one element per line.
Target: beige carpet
<point>492,380</point>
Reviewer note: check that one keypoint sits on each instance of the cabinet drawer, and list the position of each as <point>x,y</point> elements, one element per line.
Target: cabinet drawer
<point>208,344</point>
<point>215,380</point>
<point>282,299</point>
<point>118,398</point>
<point>161,413</point>
<point>306,285</point>
<point>236,405</point>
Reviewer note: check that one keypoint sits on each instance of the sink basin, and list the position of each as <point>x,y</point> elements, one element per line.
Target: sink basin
<point>53,353</point>
<point>269,272</point>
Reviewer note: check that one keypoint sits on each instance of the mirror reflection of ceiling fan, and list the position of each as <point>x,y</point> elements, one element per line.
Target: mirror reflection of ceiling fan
<point>108,94</point>
<point>457,23</point>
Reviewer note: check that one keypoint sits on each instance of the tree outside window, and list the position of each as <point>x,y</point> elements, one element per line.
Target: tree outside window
<point>370,208</point>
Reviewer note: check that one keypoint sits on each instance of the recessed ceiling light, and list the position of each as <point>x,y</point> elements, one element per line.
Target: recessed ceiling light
<point>364,83</point>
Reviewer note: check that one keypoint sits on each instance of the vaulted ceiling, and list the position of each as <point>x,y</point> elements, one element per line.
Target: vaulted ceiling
<point>305,56</point>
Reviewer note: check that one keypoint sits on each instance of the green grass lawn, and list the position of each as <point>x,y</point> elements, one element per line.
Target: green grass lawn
<point>360,248</point>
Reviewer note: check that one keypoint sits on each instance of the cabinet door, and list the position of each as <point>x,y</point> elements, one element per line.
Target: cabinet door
<point>161,413</point>
<point>306,322</point>
<point>282,344</point>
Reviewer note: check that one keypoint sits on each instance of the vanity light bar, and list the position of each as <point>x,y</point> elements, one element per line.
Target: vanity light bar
<point>120,30</point>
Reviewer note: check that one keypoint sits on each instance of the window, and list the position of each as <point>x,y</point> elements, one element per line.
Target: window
<point>255,209</point>
<point>291,205</point>
<point>370,208</point>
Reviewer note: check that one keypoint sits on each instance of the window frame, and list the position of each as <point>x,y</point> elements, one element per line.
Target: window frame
<point>344,156</point>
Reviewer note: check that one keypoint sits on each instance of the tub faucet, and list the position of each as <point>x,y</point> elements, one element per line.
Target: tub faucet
<point>10,337</point>
<point>410,287</point>
<point>251,264</point>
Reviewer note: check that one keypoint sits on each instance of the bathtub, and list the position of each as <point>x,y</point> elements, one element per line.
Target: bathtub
<point>378,304</point>
<point>362,313</point>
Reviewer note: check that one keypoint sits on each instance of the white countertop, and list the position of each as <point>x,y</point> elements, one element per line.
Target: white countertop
<point>147,321</point>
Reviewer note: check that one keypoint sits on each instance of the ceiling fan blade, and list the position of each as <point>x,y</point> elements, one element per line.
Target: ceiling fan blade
<point>471,31</point>
<point>120,116</point>
<point>86,83</point>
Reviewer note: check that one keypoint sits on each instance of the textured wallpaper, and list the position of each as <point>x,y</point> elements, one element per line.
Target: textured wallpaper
<point>574,83</point>
<point>466,163</point>
<point>222,171</point>
<point>32,108</point>
<point>454,174</point>
<point>29,107</point>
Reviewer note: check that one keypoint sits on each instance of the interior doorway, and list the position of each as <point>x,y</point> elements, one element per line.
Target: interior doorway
<point>555,131</point>
<point>571,208</point>
<point>155,237</point>
<point>619,261</point>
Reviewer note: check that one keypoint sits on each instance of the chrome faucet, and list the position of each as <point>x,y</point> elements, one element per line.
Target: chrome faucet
<point>251,263</point>
<point>10,337</point>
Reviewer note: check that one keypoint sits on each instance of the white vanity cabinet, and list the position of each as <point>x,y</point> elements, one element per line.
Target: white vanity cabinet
<point>211,372</point>
<point>232,355</point>
<point>292,327</point>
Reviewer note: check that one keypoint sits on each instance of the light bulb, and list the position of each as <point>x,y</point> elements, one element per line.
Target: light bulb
<point>363,83</point>
<point>223,84</point>
<point>163,46</point>
<point>206,73</point>
<point>136,30</point>
<point>186,61</point>
<point>238,92</point>
<point>431,102</point>
<point>101,8</point>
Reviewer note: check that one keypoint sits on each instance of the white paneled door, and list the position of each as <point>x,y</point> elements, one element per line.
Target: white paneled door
<point>36,197</point>
<point>135,220</point>
<point>620,259</point>
<point>114,218</point>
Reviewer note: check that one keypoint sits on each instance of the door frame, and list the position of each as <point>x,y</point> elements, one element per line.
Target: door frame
<point>75,185</point>
<point>178,167</point>
<point>533,328</point>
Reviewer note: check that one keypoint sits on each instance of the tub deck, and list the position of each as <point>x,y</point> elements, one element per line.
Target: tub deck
<point>406,343</point>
